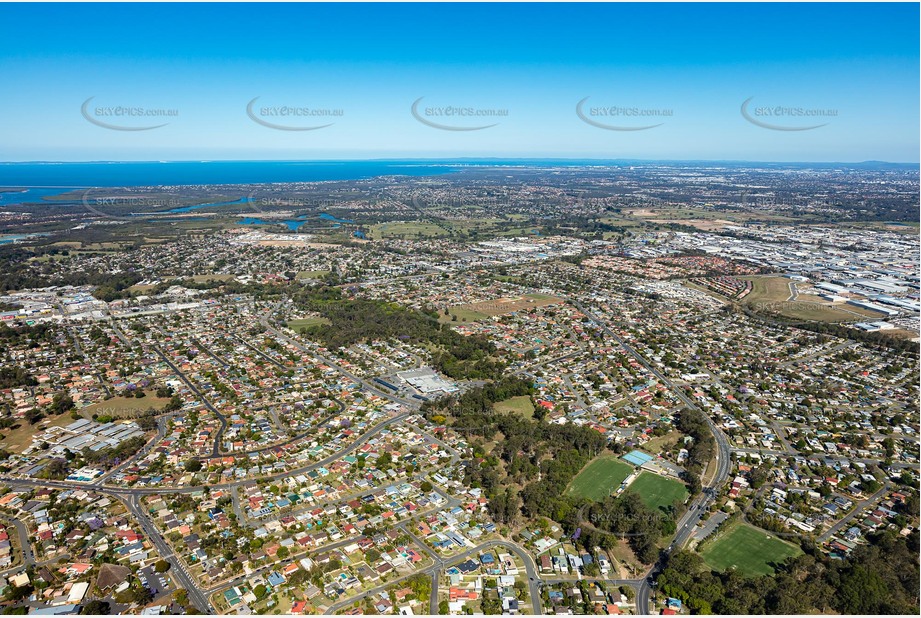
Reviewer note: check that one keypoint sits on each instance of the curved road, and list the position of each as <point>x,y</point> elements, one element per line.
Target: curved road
<point>530,568</point>
<point>699,505</point>
<point>216,449</point>
<point>131,496</point>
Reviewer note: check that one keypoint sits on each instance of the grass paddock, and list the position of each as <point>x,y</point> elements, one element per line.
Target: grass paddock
<point>748,550</point>
<point>657,491</point>
<point>599,478</point>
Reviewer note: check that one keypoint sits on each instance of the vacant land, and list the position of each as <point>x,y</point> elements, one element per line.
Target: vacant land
<point>700,224</point>
<point>203,278</point>
<point>141,289</point>
<point>312,274</point>
<point>663,443</point>
<point>599,478</point>
<point>768,289</point>
<point>124,407</point>
<point>900,333</point>
<point>411,229</point>
<point>462,314</point>
<point>657,491</point>
<point>771,294</point>
<point>488,308</point>
<point>691,215</point>
<point>748,550</point>
<point>49,257</point>
<point>19,436</point>
<point>298,324</point>
<point>104,246</point>
<point>817,312</point>
<point>520,405</point>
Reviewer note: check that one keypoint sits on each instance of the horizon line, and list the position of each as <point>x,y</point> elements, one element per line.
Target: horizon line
<point>459,160</point>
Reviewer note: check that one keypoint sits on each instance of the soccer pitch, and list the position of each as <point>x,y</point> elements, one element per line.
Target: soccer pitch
<point>657,491</point>
<point>599,478</point>
<point>748,550</point>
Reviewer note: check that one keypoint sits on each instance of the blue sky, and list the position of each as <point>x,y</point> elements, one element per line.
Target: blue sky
<point>692,65</point>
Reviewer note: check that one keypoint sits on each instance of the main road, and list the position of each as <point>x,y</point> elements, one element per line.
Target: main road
<point>858,508</point>
<point>127,491</point>
<point>368,386</point>
<point>28,557</point>
<point>216,449</point>
<point>177,566</point>
<point>699,505</point>
<point>442,563</point>
<point>131,496</point>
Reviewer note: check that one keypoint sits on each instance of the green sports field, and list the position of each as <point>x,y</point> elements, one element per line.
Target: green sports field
<point>599,478</point>
<point>748,550</point>
<point>658,491</point>
<point>520,405</point>
<point>297,324</point>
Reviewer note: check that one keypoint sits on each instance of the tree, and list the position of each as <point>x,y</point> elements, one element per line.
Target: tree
<point>540,413</point>
<point>758,476</point>
<point>889,446</point>
<point>56,469</point>
<point>193,465</point>
<point>694,484</point>
<point>861,591</point>
<point>141,595</point>
<point>182,597</point>
<point>162,566</point>
<point>383,461</point>
<point>879,578</point>
<point>18,593</point>
<point>164,391</point>
<point>96,607</point>
<point>443,607</point>
<point>61,403</point>
<point>491,606</point>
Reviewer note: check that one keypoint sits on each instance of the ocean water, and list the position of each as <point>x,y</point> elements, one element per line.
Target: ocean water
<point>8,198</point>
<point>133,174</point>
<point>153,173</point>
